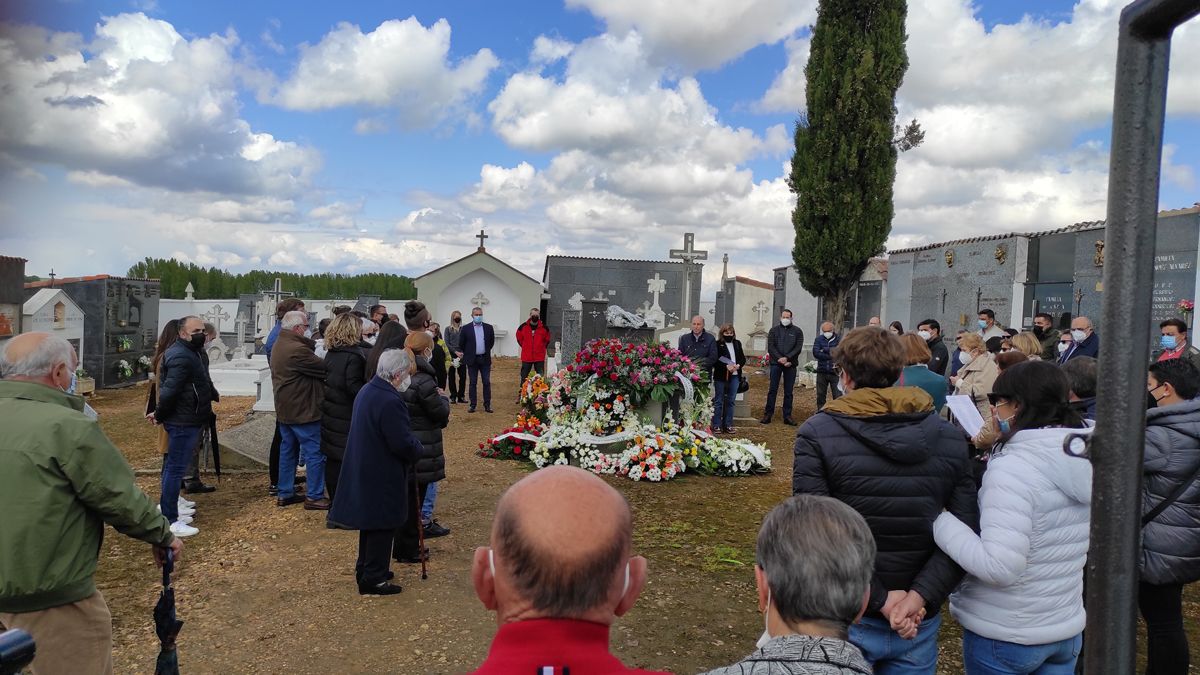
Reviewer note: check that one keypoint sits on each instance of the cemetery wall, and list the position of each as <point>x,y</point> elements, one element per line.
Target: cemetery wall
<point>12,295</point>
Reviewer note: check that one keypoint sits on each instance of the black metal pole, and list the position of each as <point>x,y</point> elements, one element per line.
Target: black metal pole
<point>1116,449</point>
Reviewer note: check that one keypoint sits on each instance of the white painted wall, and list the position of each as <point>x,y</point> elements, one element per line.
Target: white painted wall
<point>503,310</point>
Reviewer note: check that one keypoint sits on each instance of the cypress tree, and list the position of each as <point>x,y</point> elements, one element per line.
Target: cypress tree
<point>845,161</point>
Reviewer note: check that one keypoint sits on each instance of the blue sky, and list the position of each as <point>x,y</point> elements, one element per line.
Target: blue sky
<point>270,135</point>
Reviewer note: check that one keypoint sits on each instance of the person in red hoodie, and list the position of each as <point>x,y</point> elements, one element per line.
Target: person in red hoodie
<point>534,337</point>
<point>558,573</point>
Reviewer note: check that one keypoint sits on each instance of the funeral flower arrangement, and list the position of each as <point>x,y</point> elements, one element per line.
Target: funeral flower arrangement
<point>1186,306</point>
<point>596,414</point>
<point>124,370</point>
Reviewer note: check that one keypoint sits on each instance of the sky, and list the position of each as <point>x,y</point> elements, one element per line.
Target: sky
<point>381,136</point>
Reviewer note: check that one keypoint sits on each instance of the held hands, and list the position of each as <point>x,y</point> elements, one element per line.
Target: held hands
<point>160,552</point>
<point>904,611</point>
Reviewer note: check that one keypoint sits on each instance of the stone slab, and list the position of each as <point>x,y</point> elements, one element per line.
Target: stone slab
<point>265,393</point>
<point>248,445</point>
<point>237,378</point>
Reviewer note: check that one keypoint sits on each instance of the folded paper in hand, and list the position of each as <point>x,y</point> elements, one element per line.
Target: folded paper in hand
<point>966,414</point>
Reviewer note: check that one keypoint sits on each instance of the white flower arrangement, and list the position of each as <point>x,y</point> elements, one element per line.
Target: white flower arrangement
<point>144,361</point>
<point>124,370</point>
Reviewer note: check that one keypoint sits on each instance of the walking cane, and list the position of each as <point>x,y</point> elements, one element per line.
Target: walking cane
<point>420,527</point>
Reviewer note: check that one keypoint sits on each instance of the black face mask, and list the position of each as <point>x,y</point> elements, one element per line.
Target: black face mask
<point>1038,332</point>
<point>197,340</point>
<point>458,321</point>
<point>533,321</point>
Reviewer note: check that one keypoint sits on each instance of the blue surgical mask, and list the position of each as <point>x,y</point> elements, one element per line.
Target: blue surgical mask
<point>1167,341</point>
<point>477,319</point>
<point>982,324</point>
<point>1004,425</point>
<point>74,381</point>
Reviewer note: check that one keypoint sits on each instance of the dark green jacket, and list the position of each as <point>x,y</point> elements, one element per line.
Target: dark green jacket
<point>61,480</point>
<point>1049,342</point>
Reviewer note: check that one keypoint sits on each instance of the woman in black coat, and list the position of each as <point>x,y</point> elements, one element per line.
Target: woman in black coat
<point>429,413</point>
<point>345,368</point>
<point>727,375</point>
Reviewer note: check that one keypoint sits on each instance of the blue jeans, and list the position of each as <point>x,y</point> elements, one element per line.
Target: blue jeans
<point>308,438</point>
<point>181,441</point>
<point>985,656</point>
<point>890,654</point>
<point>427,506</point>
<point>724,394</point>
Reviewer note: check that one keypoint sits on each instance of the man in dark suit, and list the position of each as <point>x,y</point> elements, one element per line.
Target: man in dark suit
<point>476,342</point>
<point>700,346</point>
<point>1084,341</point>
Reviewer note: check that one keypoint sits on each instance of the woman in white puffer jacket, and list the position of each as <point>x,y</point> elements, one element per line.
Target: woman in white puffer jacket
<point>1021,603</point>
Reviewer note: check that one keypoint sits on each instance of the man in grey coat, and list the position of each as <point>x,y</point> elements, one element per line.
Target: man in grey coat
<point>816,557</point>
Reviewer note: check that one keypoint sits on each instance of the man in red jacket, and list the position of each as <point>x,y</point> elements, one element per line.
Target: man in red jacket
<point>534,337</point>
<point>558,574</point>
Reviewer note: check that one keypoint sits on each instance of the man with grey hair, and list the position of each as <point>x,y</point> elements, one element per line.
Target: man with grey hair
<point>61,480</point>
<point>1081,376</point>
<point>373,488</point>
<point>298,376</point>
<point>816,557</point>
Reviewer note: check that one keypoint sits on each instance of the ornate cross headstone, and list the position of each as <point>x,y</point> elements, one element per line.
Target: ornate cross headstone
<point>215,316</point>
<point>689,255</point>
<point>277,294</point>
<point>761,310</point>
<point>241,324</point>
<point>479,300</point>
<point>655,287</point>
<point>188,292</point>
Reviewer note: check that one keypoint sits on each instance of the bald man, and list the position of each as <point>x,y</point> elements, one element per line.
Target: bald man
<point>61,480</point>
<point>1084,341</point>
<point>558,573</point>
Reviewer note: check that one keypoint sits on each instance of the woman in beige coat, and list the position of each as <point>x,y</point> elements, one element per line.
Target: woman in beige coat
<point>975,379</point>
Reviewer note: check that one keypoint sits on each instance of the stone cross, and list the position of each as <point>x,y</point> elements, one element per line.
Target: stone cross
<point>656,286</point>
<point>761,310</point>
<point>689,255</point>
<point>481,236</point>
<point>187,292</point>
<point>215,316</point>
<point>241,328</point>
<point>276,294</point>
<point>479,300</point>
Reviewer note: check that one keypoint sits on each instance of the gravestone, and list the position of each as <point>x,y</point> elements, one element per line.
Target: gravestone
<point>365,302</point>
<point>594,320</point>
<point>240,377</point>
<point>216,351</point>
<point>572,334</point>
<point>264,390</point>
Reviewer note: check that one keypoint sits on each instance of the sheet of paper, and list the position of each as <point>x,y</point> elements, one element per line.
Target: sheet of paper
<point>965,413</point>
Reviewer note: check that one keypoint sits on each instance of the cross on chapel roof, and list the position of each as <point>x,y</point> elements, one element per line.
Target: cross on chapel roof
<point>481,236</point>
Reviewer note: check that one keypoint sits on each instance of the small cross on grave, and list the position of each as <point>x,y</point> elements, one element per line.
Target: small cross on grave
<point>215,316</point>
<point>761,310</point>
<point>241,324</point>
<point>479,300</point>
<point>481,236</point>
<point>656,287</point>
<point>641,311</point>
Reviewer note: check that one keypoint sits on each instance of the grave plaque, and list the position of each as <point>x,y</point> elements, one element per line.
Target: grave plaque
<point>594,320</point>
<point>572,334</point>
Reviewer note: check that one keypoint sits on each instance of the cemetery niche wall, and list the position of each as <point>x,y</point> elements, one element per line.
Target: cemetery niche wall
<point>12,296</point>
<point>120,324</point>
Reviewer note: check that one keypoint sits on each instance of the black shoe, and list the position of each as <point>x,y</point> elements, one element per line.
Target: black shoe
<point>273,490</point>
<point>321,504</point>
<point>789,421</point>
<point>435,529</point>
<point>412,559</point>
<point>288,501</point>
<point>471,409</point>
<point>765,420</point>
<point>198,487</point>
<point>488,409</point>
<point>301,480</point>
<point>381,588</point>
<point>727,430</point>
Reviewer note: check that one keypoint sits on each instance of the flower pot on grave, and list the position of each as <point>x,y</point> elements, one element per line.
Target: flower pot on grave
<point>85,385</point>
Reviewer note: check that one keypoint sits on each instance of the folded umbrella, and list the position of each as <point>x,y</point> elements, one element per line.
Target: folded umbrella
<point>166,624</point>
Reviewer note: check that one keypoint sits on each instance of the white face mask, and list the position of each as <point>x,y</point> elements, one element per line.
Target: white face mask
<point>828,334</point>
<point>1062,347</point>
<point>308,333</point>
<point>785,322</point>
<point>1078,335</point>
<point>841,386</point>
<point>965,358</point>
<point>428,354</point>
<point>766,636</point>
<point>403,386</point>
<point>924,335</point>
<point>370,339</point>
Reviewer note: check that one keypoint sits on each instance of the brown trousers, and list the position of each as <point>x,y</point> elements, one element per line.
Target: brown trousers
<point>71,639</point>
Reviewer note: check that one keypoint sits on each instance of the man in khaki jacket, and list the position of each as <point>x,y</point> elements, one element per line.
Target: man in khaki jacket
<point>298,376</point>
<point>61,480</point>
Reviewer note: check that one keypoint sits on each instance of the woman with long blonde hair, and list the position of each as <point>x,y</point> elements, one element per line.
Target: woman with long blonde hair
<point>345,374</point>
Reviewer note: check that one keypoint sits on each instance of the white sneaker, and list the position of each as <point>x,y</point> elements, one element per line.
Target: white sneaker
<point>181,529</point>
<point>182,510</point>
<point>186,503</point>
<point>186,520</point>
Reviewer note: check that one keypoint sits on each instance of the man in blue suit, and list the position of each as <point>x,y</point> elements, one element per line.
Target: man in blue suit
<point>476,342</point>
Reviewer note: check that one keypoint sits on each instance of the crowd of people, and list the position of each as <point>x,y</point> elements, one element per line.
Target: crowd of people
<point>897,513</point>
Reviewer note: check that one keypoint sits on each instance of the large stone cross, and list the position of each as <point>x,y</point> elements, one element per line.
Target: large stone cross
<point>479,300</point>
<point>656,286</point>
<point>689,255</point>
<point>277,294</point>
<point>761,310</point>
<point>215,316</point>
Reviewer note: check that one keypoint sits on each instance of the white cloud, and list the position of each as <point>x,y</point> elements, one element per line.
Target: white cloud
<point>500,188</point>
<point>788,90</point>
<point>337,215</point>
<point>548,50</point>
<point>700,34</point>
<point>401,65</point>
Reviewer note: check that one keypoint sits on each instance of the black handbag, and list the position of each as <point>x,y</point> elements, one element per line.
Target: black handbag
<point>743,385</point>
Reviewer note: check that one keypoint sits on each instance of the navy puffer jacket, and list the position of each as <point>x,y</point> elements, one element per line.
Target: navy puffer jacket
<point>1171,542</point>
<point>430,413</point>
<point>886,453</point>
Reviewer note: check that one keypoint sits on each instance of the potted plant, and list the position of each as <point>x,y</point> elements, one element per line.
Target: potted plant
<point>84,383</point>
<point>124,370</point>
<point>124,344</point>
<point>143,364</point>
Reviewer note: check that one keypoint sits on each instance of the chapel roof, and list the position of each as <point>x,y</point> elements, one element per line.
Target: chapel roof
<point>43,296</point>
<point>48,283</point>
<point>9,258</point>
<point>471,255</point>
<point>754,282</point>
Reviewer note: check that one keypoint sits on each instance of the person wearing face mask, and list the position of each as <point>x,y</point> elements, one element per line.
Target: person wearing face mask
<point>1047,335</point>
<point>374,490</point>
<point>192,483</point>
<point>1174,344</point>
<point>457,373</point>
<point>916,371</point>
<point>476,343</point>
<point>883,451</point>
<point>61,481</point>
<point>370,333</point>
<point>1064,343</point>
<point>1022,599</point>
<point>533,337</point>
<point>1170,551</point>
<point>815,560</point>
<point>975,379</point>
<point>558,573</point>
<point>785,342</point>
<point>429,413</point>
<point>185,396</point>
<point>930,331</point>
<point>298,377</point>
<point>285,306</point>
<point>988,328</point>
<point>418,319</point>
<point>727,376</point>
<point>1084,341</point>
<point>345,367</point>
<point>822,351</point>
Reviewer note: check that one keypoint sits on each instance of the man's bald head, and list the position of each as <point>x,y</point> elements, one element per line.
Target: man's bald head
<point>38,357</point>
<point>560,537</point>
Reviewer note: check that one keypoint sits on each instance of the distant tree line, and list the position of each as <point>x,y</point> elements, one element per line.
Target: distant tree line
<point>212,282</point>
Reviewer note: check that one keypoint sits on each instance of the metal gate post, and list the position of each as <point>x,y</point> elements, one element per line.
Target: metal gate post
<point>1117,447</point>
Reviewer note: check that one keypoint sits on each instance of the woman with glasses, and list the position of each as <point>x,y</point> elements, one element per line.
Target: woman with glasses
<point>1021,603</point>
<point>727,377</point>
